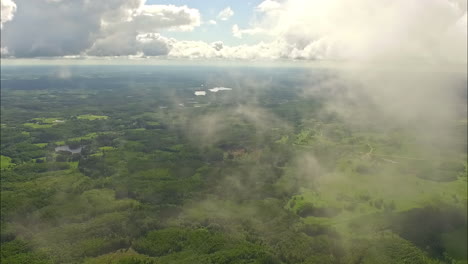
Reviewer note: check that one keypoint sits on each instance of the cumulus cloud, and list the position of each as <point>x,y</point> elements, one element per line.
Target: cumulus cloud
<point>153,44</point>
<point>123,43</point>
<point>366,29</point>
<point>101,28</point>
<point>225,14</point>
<point>8,9</point>
<point>138,34</point>
<point>150,18</point>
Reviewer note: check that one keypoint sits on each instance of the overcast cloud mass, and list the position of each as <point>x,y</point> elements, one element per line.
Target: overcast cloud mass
<point>431,30</point>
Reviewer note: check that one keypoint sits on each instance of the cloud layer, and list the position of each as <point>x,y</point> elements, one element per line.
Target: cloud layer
<point>433,30</point>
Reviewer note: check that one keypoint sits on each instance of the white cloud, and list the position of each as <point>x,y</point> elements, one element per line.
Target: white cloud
<point>193,50</point>
<point>268,6</point>
<point>367,29</point>
<point>150,18</point>
<point>225,14</point>
<point>137,34</point>
<point>153,44</point>
<point>203,50</point>
<point>8,9</point>
<point>212,22</point>
<point>100,28</point>
<point>119,44</point>
<point>237,32</point>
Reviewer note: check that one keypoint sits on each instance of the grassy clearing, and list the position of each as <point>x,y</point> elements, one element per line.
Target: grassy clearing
<point>107,148</point>
<point>36,125</point>
<point>102,150</point>
<point>89,136</point>
<point>6,162</point>
<point>85,137</point>
<point>73,164</point>
<point>92,117</point>
<point>153,123</point>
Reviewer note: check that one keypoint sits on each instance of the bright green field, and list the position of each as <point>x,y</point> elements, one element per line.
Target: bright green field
<point>92,117</point>
<point>6,162</point>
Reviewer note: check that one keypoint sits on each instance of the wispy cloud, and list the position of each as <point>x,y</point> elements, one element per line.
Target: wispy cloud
<point>225,14</point>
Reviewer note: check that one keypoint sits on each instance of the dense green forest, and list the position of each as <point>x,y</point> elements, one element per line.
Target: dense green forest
<point>127,165</point>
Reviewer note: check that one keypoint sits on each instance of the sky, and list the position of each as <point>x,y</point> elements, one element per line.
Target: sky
<point>405,30</point>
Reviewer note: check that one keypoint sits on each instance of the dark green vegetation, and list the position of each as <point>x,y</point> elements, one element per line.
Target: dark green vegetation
<point>260,174</point>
